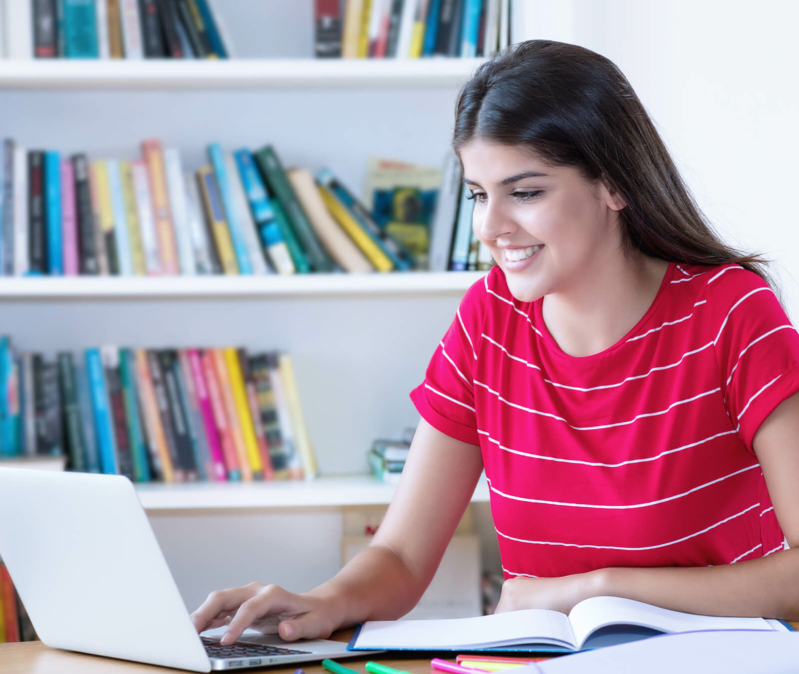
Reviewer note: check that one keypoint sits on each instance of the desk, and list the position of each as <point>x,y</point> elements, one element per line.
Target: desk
<point>34,657</point>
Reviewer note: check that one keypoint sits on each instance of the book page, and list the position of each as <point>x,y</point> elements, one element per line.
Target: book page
<point>512,628</point>
<point>592,614</point>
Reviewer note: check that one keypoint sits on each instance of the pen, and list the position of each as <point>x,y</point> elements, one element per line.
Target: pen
<point>488,666</point>
<point>336,668</point>
<point>376,668</point>
<point>444,666</point>
<point>492,662</point>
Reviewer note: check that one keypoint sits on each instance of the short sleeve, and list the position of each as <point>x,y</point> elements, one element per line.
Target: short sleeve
<point>446,396</point>
<point>757,349</point>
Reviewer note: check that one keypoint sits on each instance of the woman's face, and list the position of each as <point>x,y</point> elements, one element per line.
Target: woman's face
<point>547,227</point>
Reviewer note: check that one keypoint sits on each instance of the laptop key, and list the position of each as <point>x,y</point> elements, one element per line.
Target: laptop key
<point>243,649</point>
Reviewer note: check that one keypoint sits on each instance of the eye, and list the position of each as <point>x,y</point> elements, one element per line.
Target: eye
<point>526,196</point>
<point>474,196</point>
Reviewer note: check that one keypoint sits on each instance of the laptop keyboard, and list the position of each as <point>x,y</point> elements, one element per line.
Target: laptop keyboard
<point>242,649</point>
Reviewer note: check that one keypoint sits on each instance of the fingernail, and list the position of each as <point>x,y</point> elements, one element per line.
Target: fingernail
<point>289,631</point>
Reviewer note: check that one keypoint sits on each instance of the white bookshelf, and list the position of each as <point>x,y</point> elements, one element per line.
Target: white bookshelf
<point>168,74</point>
<point>325,492</point>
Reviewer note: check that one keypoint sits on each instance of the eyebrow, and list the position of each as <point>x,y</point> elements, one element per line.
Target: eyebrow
<point>513,179</point>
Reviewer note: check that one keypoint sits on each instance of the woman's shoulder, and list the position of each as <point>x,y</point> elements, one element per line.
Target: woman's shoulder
<point>719,283</point>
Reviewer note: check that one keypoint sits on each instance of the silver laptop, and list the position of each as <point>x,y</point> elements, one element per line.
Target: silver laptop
<point>89,571</point>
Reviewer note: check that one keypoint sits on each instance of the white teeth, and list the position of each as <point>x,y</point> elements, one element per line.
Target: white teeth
<point>520,253</point>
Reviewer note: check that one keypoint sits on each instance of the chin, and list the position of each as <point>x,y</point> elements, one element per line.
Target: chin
<point>523,290</point>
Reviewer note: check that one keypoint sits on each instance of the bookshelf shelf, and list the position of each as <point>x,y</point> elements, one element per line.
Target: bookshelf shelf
<point>84,287</point>
<point>347,490</point>
<point>236,74</point>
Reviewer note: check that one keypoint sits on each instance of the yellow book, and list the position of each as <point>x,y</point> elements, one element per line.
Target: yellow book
<point>226,390</point>
<point>154,430</point>
<point>350,42</point>
<point>132,216</point>
<point>105,210</point>
<point>302,438</point>
<point>243,408</point>
<point>417,32</point>
<point>216,216</point>
<point>349,224</point>
<point>363,38</point>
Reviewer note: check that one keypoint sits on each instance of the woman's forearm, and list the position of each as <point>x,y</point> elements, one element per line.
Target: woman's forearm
<point>767,587</point>
<point>374,585</point>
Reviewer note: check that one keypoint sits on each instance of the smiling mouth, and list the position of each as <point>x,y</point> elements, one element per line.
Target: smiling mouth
<point>519,254</point>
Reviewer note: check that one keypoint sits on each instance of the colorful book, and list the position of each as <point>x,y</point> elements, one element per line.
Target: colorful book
<point>116,49</point>
<point>177,197</point>
<point>88,428</point>
<point>162,400</point>
<point>303,438</point>
<point>37,232</point>
<point>160,461</point>
<point>110,358</point>
<point>183,405</point>
<point>131,29</point>
<point>132,218</point>
<point>144,204</point>
<point>138,446</point>
<point>202,246</point>
<point>419,24</point>
<point>216,217</point>
<point>153,154</point>
<point>463,231</point>
<point>69,222</point>
<point>188,390</point>
<point>259,367</point>
<point>99,236</point>
<point>249,471</point>
<point>52,185</point>
<point>102,188</point>
<point>102,414</point>
<point>235,228</point>
<point>80,29</point>
<point>180,414</point>
<point>9,403</point>
<point>470,29</point>
<point>204,402</point>
<point>244,217</point>
<point>212,29</point>
<point>242,405</point>
<point>234,471</point>
<point>9,606</point>
<point>288,432</point>
<point>255,415</point>
<point>431,28</point>
<point>76,449</point>
<point>121,226</point>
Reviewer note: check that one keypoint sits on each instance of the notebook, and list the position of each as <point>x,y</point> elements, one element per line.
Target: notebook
<point>592,623</point>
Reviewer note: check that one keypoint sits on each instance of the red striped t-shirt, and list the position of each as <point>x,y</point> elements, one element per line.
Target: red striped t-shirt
<point>640,455</point>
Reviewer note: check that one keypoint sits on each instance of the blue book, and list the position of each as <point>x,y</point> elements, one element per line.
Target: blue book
<point>52,209</point>
<point>103,422</point>
<point>198,447</point>
<point>470,30</point>
<point>138,448</point>
<point>431,28</point>
<point>7,444</point>
<point>80,29</point>
<point>211,29</point>
<point>121,233</point>
<point>87,417</point>
<point>3,224</point>
<point>226,194</point>
<point>463,232</point>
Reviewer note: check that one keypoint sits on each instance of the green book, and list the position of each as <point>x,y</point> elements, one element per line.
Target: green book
<point>72,421</point>
<point>138,448</point>
<point>280,187</point>
<point>295,249</point>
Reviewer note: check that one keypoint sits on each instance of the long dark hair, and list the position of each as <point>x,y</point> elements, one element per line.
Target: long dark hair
<point>574,107</point>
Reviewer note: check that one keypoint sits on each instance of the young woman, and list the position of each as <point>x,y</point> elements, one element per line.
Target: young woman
<point>626,380</point>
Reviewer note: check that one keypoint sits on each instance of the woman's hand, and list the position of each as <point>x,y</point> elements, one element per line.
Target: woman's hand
<point>556,594</point>
<point>269,609</point>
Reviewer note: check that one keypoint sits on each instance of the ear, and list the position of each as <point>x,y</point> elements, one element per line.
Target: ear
<point>612,197</point>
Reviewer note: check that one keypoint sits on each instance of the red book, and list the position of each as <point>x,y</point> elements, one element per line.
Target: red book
<point>204,402</point>
<point>220,417</point>
<point>9,605</point>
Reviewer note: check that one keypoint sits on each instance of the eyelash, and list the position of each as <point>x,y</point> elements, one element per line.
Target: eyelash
<point>523,196</point>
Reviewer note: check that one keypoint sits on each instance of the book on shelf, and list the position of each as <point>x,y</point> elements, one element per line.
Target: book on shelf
<point>387,458</point>
<point>165,415</point>
<point>242,213</point>
<point>113,29</point>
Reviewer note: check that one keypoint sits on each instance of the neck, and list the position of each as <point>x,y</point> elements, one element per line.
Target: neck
<point>604,303</point>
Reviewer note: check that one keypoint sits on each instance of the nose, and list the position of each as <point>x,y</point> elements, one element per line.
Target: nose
<point>491,222</point>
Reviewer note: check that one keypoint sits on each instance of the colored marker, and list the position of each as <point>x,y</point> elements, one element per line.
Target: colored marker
<point>336,668</point>
<point>377,668</point>
<point>490,666</point>
<point>444,666</point>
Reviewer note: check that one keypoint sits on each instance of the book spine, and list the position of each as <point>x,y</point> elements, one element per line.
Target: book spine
<point>6,446</point>
<point>386,19</point>
<point>69,219</point>
<point>294,462</point>
<point>101,18</point>
<point>102,414</point>
<point>196,426</point>
<point>201,246</point>
<point>431,28</point>
<point>52,186</point>
<point>255,415</point>
<point>211,28</point>
<point>191,28</point>
<point>52,402</point>
<point>110,358</point>
<point>353,13</point>
<point>446,18</point>
<point>154,156</point>
<point>419,23</point>
<point>99,235</point>
<point>88,430</point>
<point>87,244</point>
<point>7,207</point>
<point>445,214</point>
<point>207,415</point>
<point>244,217</point>
<point>248,471</point>
<point>280,187</point>
<point>264,213</point>
<point>242,407</point>
<point>60,33</point>
<point>471,28</point>
<point>179,414</point>
<point>121,226</point>
<point>151,29</point>
<point>234,471</point>
<point>167,12</point>
<point>199,24</point>
<point>116,48</point>
<point>138,263</point>
<point>394,28</point>
<point>80,29</point>
<point>106,211</point>
<point>454,39</point>
<point>131,29</point>
<point>268,414</point>
<point>223,180</point>
<point>4,176</point>
<point>19,42</point>
<point>395,252</point>
<point>460,247</point>
<point>40,441</point>
<point>160,461</point>
<point>372,28</point>
<point>216,218</point>
<point>304,445</point>
<point>363,33</point>
<point>144,204</point>
<point>29,404</point>
<point>127,377</point>
<point>72,420</point>
<point>177,197</point>
<point>327,28</point>
<point>37,261</point>
<point>20,211</point>
<point>44,23</point>
<point>9,606</point>
<point>159,386</point>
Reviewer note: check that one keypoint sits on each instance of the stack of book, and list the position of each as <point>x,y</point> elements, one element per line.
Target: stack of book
<point>411,28</point>
<point>117,29</point>
<point>387,459</point>
<point>242,213</point>
<point>168,415</point>
<point>14,622</point>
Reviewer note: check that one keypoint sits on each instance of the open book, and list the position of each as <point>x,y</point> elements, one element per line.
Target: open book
<point>593,623</point>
